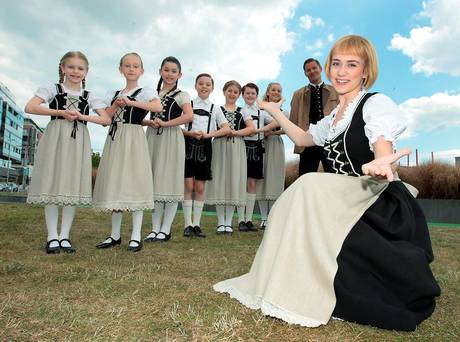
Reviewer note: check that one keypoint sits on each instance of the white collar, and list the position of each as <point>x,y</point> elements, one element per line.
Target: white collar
<point>254,106</point>
<point>200,100</point>
<point>316,85</point>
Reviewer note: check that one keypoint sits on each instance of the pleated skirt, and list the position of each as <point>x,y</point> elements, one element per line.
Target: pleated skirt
<point>124,177</point>
<point>167,155</point>
<point>271,187</point>
<point>62,170</point>
<point>229,170</point>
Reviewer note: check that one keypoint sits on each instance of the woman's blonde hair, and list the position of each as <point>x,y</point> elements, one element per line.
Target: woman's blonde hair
<point>361,47</point>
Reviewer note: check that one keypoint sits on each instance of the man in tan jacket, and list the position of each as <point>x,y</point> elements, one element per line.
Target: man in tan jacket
<point>310,104</point>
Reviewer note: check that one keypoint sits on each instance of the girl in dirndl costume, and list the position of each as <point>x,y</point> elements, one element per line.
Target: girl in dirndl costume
<point>355,244</point>
<point>271,186</point>
<point>124,178</point>
<point>62,170</point>
<point>254,153</point>
<point>167,149</point>
<point>227,188</point>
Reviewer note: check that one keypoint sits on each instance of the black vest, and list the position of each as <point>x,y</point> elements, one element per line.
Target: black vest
<point>235,119</point>
<point>63,101</point>
<point>127,115</point>
<point>347,153</point>
<point>316,105</point>
<point>171,110</point>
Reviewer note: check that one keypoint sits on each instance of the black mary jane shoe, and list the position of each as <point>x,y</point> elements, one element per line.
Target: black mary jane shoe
<point>109,244</point>
<point>251,226</point>
<point>52,250</point>
<point>151,238</point>
<point>68,249</point>
<point>189,232</point>
<point>135,248</point>
<point>242,227</point>
<point>162,237</point>
<point>198,232</point>
<point>220,232</point>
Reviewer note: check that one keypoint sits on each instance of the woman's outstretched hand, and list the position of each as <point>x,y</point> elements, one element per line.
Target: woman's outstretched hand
<point>270,107</point>
<point>384,167</point>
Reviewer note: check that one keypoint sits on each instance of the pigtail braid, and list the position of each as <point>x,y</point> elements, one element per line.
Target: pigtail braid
<point>83,83</point>
<point>159,84</point>
<point>61,74</point>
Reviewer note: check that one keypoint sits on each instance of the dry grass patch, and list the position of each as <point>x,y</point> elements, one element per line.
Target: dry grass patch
<point>165,291</point>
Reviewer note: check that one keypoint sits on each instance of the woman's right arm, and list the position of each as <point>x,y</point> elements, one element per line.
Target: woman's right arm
<point>295,133</point>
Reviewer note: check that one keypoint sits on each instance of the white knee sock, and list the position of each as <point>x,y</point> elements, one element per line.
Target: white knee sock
<point>170,212</point>
<point>263,207</point>
<point>197,210</point>
<point>187,208</point>
<point>220,212</point>
<point>51,218</point>
<point>251,200</point>
<point>241,210</point>
<point>229,209</point>
<point>68,213</point>
<point>137,227</point>
<point>116,225</point>
<point>156,216</point>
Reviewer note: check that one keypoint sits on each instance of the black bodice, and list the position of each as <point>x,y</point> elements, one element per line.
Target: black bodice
<point>63,101</point>
<point>128,114</point>
<point>235,119</point>
<point>171,109</point>
<point>347,153</point>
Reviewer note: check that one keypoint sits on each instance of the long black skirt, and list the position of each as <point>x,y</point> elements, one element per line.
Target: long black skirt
<point>383,276</point>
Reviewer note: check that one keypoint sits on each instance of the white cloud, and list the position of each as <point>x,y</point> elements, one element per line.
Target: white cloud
<point>237,40</point>
<point>308,22</point>
<point>318,46</point>
<point>435,48</point>
<point>430,113</point>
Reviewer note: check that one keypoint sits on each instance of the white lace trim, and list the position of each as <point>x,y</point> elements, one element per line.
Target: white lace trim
<point>267,308</point>
<point>340,126</point>
<point>168,198</point>
<point>123,206</point>
<point>225,202</point>
<point>59,199</point>
<point>268,197</point>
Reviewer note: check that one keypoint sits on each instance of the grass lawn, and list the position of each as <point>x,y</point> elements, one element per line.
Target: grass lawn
<point>165,291</point>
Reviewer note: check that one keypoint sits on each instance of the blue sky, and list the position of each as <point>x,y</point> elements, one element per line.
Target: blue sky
<point>263,41</point>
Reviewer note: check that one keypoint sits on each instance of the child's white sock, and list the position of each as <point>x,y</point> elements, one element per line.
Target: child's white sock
<point>220,212</point>
<point>251,200</point>
<point>197,210</point>
<point>51,218</point>
<point>137,227</point>
<point>68,213</point>
<point>170,212</point>
<point>187,208</point>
